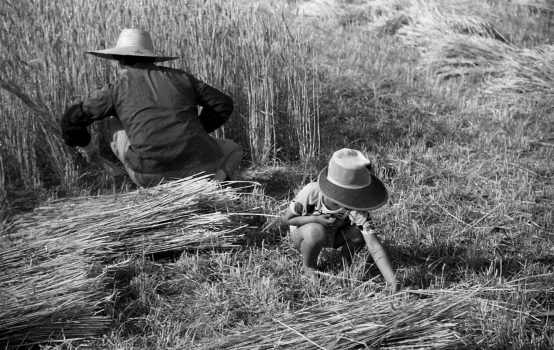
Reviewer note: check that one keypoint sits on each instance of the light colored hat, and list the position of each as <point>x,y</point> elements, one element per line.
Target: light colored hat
<point>132,42</point>
<point>348,182</point>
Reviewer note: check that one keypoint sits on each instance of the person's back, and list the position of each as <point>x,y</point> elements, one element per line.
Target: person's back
<point>158,108</point>
<point>154,126</point>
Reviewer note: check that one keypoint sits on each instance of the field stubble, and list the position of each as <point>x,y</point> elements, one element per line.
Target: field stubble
<point>465,152</point>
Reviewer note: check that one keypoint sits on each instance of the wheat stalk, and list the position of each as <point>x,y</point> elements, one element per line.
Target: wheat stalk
<point>48,290</point>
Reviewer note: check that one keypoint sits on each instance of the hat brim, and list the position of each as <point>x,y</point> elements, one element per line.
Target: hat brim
<point>114,53</point>
<point>370,197</point>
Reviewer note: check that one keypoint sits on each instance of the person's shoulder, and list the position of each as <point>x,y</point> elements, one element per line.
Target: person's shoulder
<point>169,69</point>
<point>176,72</point>
<point>113,85</point>
<point>311,187</point>
<point>310,191</point>
<point>125,75</point>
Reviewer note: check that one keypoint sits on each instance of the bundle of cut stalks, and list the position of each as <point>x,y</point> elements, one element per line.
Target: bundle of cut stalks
<point>50,286</point>
<point>544,5</point>
<point>527,72</point>
<point>454,45</point>
<point>386,323</point>
<point>192,213</point>
<point>55,300</point>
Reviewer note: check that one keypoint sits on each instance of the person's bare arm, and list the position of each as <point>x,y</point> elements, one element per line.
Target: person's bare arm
<point>298,220</point>
<point>381,258</point>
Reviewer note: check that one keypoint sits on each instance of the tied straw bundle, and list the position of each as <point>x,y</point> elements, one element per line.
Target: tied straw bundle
<point>53,300</point>
<point>392,322</point>
<point>53,282</point>
<point>191,213</point>
<point>454,45</point>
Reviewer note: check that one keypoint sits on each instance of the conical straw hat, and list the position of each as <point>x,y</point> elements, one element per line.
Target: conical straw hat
<point>132,42</point>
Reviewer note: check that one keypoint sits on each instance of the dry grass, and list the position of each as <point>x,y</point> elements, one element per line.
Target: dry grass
<point>50,290</point>
<point>50,300</point>
<point>503,68</point>
<point>470,178</point>
<point>416,319</point>
<point>191,213</point>
<point>244,49</point>
<point>457,42</point>
<point>383,323</point>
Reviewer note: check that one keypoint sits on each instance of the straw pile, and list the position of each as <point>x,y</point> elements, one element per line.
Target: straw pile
<point>52,300</point>
<point>455,45</point>
<point>458,45</point>
<point>53,282</point>
<point>192,213</point>
<point>386,323</point>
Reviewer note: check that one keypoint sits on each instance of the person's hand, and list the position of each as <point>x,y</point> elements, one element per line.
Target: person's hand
<point>89,151</point>
<point>326,220</point>
<point>394,287</point>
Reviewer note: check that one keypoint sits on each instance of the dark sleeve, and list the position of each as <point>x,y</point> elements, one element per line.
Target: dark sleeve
<point>74,126</point>
<point>100,104</point>
<point>76,118</point>
<point>216,106</point>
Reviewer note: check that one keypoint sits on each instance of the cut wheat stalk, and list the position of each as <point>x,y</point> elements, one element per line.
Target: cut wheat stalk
<point>191,213</point>
<point>403,321</point>
<point>48,290</point>
<point>452,46</point>
<point>109,167</point>
<point>49,128</point>
<point>53,300</point>
<point>263,62</point>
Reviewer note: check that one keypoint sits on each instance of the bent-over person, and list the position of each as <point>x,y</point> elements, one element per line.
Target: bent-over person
<point>155,129</point>
<point>334,212</point>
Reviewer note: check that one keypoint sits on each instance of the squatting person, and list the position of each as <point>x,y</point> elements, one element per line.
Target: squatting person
<point>154,126</point>
<point>334,212</point>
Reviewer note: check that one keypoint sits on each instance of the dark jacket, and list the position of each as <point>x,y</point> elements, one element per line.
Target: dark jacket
<point>158,107</point>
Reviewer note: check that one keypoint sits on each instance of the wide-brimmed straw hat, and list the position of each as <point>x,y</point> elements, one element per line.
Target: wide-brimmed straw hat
<point>132,42</point>
<point>347,181</point>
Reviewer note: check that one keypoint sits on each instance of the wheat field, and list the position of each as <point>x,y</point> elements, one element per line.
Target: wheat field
<point>451,101</point>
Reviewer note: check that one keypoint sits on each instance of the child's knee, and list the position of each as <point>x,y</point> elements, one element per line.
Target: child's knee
<point>314,234</point>
<point>317,238</point>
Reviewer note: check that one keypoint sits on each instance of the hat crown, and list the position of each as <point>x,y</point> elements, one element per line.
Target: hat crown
<point>135,38</point>
<point>348,169</point>
<point>348,182</point>
<point>132,42</point>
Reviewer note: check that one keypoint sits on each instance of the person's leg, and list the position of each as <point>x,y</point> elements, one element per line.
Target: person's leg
<point>119,143</point>
<point>309,239</point>
<point>350,238</point>
<point>230,163</point>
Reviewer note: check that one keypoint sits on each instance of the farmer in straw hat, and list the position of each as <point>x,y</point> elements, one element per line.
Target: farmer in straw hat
<point>334,212</point>
<point>154,126</point>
